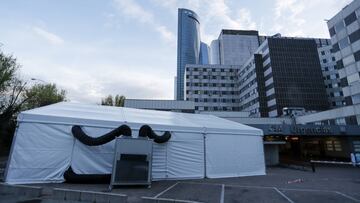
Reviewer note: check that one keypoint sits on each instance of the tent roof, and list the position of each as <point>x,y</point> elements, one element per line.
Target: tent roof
<point>108,116</point>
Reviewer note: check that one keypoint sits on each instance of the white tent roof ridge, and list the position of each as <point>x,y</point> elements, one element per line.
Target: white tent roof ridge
<point>69,113</point>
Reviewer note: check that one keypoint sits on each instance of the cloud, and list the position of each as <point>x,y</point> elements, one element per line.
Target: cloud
<point>304,17</point>
<point>91,85</point>
<point>135,11</point>
<point>48,36</point>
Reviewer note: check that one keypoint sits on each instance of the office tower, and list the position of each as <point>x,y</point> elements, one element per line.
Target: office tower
<point>215,52</point>
<point>345,36</point>
<point>330,73</point>
<point>204,53</point>
<point>284,72</point>
<point>212,87</point>
<point>188,46</point>
<point>236,46</point>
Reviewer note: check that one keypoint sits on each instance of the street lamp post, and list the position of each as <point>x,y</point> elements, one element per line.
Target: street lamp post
<point>36,79</point>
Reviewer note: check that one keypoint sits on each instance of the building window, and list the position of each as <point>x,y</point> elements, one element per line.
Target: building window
<point>333,145</point>
<point>323,53</point>
<point>357,56</point>
<point>324,60</point>
<point>339,64</point>
<point>332,31</point>
<point>350,18</point>
<point>336,47</point>
<point>355,36</point>
<point>356,146</point>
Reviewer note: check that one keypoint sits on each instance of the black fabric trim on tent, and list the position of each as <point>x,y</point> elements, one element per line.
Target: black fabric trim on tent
<point>71,177</point>
<point>146,131</point>
<point>79,134</point>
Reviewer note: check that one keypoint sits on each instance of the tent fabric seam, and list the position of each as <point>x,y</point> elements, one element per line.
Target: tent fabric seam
<point>204,129</point>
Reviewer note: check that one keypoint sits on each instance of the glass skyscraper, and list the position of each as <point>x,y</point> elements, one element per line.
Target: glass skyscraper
<point>188,46</point>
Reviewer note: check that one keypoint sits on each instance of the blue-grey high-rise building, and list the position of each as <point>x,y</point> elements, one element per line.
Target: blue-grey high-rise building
<point>204,54</point>
<point>188,46</point>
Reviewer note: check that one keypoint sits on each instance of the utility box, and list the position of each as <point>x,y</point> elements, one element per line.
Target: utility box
<point>132,162</point>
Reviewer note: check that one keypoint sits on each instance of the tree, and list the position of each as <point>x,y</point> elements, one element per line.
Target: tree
<point>110,101</point>
<point>42,95</point>
<point>119,100</point>
<point>11,88</point>
<point>107,101</point>
<point>11,99</point>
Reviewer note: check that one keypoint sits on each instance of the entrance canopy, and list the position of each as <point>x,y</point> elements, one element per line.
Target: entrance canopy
<point>200,145</point>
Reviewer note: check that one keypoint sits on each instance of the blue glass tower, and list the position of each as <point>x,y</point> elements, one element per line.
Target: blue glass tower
<point>204,54</point>
<point>188,46</point>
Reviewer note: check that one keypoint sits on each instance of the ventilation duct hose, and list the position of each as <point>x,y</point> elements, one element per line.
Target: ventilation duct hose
<point>71,177</point>
<point>146,131</point>
<point>79,134</point>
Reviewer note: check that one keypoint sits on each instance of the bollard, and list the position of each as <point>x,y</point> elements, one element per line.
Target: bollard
<point>312,166</point>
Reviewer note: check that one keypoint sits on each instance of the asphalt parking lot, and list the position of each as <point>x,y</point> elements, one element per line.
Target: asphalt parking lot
<point>328,184</point>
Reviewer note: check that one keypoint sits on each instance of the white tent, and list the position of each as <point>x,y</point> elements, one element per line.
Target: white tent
<point>200,146</point>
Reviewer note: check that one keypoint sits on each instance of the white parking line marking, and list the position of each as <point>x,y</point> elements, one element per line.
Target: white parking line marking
<point>171,200</point>
<point>347,196</point>
<point>218,184</point>
<point>222,193</point>
<point>167,189</point>
<point>282,194</point>
<point>306,190</point>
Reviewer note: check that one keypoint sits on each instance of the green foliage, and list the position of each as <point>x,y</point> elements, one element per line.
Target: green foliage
<point>11,88</point>
<point>118,100</point>
<point>11,99</point>
<point>43,94</point>
<point>8,68</point>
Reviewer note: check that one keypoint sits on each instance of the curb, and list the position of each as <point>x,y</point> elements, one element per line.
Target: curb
<point>21,190</point>
<point>87,196</point>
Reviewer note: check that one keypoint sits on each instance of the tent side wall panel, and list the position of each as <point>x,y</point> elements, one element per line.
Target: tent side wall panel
<point>234,155</point>
<point>185,156</point>
<point>41,153</point>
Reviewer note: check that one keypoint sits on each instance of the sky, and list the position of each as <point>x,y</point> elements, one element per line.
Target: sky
<point>93,48</point>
